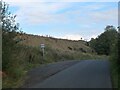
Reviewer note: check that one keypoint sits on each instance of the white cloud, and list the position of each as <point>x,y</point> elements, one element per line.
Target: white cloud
<point>41,11</point>
<point>37,11</point>
<point>105,16</point>
<point>92,18</point>
<point>71,37</point>
<point>78,37</point>
<point>62,0</point>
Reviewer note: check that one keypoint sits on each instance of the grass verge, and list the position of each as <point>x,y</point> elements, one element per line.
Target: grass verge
<point>31,57</point>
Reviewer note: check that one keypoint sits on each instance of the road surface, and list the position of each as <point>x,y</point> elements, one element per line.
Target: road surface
<point>85,74</point>
<point>39,74</point>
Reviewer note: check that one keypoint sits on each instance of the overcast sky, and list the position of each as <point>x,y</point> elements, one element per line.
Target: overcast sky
<point>63,19</point>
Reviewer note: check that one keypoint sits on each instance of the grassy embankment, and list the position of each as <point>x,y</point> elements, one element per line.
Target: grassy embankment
<point>114,73</point>
<point>28,55</point>
<point>114,59</point>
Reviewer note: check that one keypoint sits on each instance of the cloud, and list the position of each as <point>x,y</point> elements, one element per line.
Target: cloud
<point>77,37</point>
<point>61,0</point>
<point>71,37</point>
<point>100,17</point>
<point>105,16</point>
<point>41,12</point>
<point>38,12</point>
<point>87,16</point>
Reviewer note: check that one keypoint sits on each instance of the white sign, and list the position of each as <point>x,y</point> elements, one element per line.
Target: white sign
<point>42,45</point>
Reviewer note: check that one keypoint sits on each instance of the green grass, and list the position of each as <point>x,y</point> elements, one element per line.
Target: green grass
<point>114,60</point>
<point>114,73</point>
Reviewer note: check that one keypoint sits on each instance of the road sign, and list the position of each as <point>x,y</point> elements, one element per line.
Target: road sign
<point>42,45</point>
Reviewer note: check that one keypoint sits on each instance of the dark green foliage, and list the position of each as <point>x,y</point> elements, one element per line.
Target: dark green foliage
<point>9,29</point>
<point>87,43</point>
<point>104,41</point>
<point>69,48</point>
<point>118,46</point>
<point>115,61</point>
<point>118,59</point>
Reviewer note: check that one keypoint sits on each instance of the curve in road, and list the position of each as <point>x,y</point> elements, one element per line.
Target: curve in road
<point>85,74</point>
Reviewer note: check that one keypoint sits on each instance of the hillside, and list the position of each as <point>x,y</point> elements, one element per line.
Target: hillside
<point>62,45</point>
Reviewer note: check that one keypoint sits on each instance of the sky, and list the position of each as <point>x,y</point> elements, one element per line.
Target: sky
<point>73,19</point>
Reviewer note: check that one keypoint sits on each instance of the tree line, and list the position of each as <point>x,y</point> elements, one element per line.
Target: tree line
<point>104,43</point>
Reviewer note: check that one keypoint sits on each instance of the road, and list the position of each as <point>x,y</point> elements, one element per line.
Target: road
<point>41,73</point>
<point>85,74</point>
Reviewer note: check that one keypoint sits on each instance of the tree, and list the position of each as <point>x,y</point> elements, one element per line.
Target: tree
<point>9,28</point>
<point>103,43</point>
<point>109,27</point>
<point>118,47</point>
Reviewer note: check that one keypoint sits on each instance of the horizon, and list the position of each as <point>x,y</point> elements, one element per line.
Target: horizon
<point>65,20</point>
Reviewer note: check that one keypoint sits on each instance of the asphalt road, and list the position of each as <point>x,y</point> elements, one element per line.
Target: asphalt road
<point>41,73</point>
<point>85,74</point>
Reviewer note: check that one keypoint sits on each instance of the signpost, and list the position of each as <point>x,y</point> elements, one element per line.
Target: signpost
<point>42,47</point>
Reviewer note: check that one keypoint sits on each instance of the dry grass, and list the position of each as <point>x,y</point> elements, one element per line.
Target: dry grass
<point>56,44</point>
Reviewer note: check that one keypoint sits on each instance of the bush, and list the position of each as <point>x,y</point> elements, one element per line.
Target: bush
<point>103,42</point>
<point>114,59</point>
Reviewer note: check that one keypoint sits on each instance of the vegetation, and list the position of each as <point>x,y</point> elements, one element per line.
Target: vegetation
<point>103,43</point>
<point>107,44</point>
<point>9,29</point>
<point>118,59</point>
<point>114,58</point>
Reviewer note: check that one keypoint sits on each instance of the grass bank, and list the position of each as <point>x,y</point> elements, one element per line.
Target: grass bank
<point>115,75</point>
<point>28,57</point>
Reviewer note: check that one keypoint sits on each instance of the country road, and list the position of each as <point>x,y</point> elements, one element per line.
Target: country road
<point>84,74</point>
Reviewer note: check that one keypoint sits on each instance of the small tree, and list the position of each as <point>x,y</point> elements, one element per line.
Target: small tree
<point>9,28</point>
